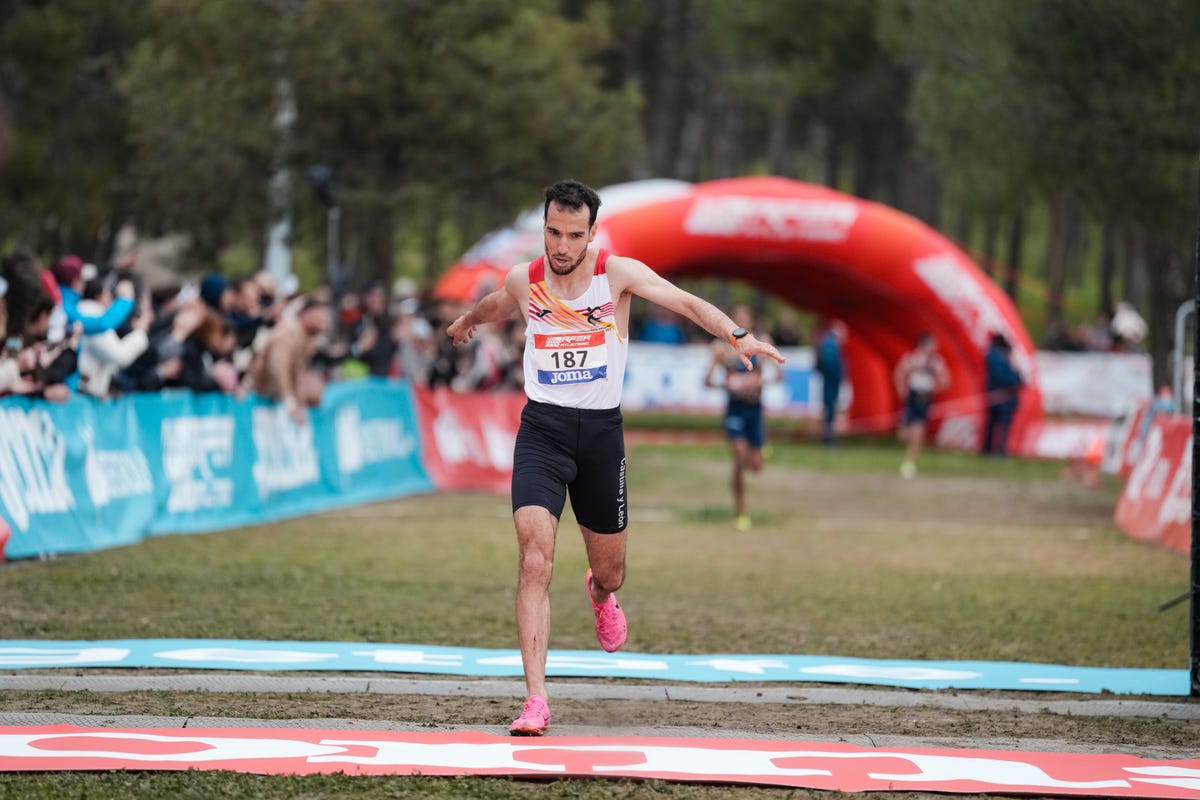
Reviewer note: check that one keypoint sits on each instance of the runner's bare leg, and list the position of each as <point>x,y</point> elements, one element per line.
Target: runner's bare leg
<point>606,557</point>
<point>740,458</point>
<point>536,532</point>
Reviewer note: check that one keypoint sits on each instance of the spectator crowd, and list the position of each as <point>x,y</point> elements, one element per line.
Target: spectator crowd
<point>74,327</point>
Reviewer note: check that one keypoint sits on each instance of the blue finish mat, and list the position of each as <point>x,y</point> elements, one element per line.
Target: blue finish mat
<point>246,654</point>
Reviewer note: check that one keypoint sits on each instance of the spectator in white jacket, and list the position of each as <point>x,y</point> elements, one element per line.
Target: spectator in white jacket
<point>103,354</point>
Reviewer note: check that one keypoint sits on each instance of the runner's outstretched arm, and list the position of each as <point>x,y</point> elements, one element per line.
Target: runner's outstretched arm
<point>639,279</point>
<point>494,307</point>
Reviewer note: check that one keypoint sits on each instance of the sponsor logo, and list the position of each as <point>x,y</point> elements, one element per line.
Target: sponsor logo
<point>286,457</point>
<point>33,474</point>
<point>567,376</point>
<point>778,219</point>
<point>486,444</point>
<point>114,474</point>
<point>969,301</point>
<point>557,341</point>
<point>621,494</point>
<point>596,313</point>
<point>194,448</point>
<point>361,442</point>
<point>542,312</point>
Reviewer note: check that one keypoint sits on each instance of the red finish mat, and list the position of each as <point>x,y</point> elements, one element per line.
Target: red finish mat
<point>837,767</point>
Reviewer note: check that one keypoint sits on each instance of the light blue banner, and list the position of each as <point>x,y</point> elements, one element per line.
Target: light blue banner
<point>89,474</point>
<point>247,654</point>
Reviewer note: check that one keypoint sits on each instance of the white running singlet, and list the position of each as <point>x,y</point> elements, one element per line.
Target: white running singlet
<point>574,355</point>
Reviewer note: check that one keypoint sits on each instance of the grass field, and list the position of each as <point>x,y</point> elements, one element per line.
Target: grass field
<point>976,559</point>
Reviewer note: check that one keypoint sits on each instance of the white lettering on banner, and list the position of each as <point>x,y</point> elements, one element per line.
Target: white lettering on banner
<point>1181,777</point>
<point>892,673</point>
<point>458,442</point>
<point>33,472</point>
<point>772,218</point>
<point>361,443</point>
<point>455,441</point>
<point>411,657</point>
<point>839,767</point>
<point>753,666</point>
<point>286,457</point>
<point>584,662</point>
<point>994,771</point>
<point>349,443</point>
<point>969,302</point>
<point>1176,506</point>
<point>1148,475</point>
<point>114,474</point>
<point>60,656</point>
<point>239,656</point>
<point>193,448</point>
<point>127,744</point>
<point>500,442</point>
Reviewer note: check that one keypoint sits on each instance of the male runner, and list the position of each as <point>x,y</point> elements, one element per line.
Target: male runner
<point>576,304</point>
<point>745,427</point>
<point>920,374</point>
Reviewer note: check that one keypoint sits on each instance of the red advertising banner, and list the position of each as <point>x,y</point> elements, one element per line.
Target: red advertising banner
<point>467,438</point>
<point>1156,503</point>
<point>765,762</point>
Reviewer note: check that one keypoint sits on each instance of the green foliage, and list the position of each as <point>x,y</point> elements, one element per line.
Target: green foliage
<point>967,106</point>
<point>1099,97</point>
<point>64,180</point>
<point>1112,90</point>
<point>202,95</point>
<point>436,109</point>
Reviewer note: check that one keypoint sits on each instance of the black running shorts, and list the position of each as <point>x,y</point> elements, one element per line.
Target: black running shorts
<point>576,450</point>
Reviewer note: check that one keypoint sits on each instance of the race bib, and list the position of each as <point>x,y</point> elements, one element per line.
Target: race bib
<point>562,358</point>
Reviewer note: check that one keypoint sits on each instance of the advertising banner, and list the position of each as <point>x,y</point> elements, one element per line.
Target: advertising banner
<point>468,439</point>
<point>1156,503</point>
<point>89,474</point>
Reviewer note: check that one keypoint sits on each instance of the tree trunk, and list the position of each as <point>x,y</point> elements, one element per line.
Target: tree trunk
<point>991,233</point>
<point>1167,271</point>
<point>778,151</point>
<point>430,244</point>
<point>1016,238</point>
<point>1064,250</point>
<point>377,230</point>
<point>962,227</point>
<point>668,88</point>
<point>917,191</point>
<point>833,157</point>
<point>1108,268</point>
<point>1134,272</point>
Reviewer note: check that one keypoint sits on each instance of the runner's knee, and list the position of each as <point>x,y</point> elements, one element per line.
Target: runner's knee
<point>608,577</point>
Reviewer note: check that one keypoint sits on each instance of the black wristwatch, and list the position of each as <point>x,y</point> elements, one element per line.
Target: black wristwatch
<point>738,333</point>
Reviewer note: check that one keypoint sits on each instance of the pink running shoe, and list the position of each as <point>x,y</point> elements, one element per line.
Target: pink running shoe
<point>610,620</point>
<point>534,719</point>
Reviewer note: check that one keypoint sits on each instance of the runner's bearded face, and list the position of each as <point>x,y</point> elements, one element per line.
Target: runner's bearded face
<point>567,237</point>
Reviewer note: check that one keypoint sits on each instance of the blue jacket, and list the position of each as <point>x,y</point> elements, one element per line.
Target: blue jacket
<point>1001,374</point>
<point>112,317</point>
<point>829,358</point>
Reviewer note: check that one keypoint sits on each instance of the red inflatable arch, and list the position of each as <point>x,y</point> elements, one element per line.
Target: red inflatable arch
<point>886,274</point>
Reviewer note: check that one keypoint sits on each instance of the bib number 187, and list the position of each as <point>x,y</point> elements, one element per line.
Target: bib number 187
<point>569,359</point>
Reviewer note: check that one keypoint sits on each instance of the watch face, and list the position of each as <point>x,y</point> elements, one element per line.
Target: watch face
<point>738,333</point>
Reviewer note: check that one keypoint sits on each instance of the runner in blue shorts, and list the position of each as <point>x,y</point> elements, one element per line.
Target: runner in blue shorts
<point>745,425</point>
<point>920,374</point>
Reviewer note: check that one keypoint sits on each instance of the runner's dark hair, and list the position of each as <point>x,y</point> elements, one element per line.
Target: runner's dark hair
<point>573,195</point>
